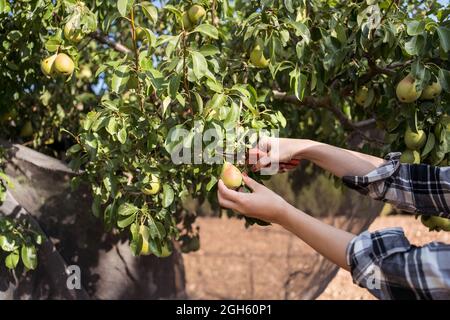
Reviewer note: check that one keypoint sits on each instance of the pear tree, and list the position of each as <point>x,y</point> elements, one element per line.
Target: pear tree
<point>114,87</point>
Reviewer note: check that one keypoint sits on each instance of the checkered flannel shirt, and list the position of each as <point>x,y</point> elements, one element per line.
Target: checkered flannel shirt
<point>384,261</point>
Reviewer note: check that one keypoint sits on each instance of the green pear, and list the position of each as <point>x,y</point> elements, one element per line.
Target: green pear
<point>196,13</point>
<point>64,64</point>
<point>432,91</point>
<point>257,57</point>
<point>410,156</point>
<point>187,25</point>
<point>27,130</point>
<point>47,65</point>
<point>72,33</point>
<point>415,141</point>
<point>406,90</point>
<point>231,176</point>
<point>361,96</point>
<point>435,223</point>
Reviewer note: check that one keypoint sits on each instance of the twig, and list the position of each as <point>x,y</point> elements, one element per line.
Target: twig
<point>97,35</point>
<point>185,73</point>
<point>213,13</point>
<point>364,123</point>
<point>136,59</point>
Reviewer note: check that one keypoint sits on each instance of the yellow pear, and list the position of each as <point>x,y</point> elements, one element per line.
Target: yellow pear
<point>415,141</point>
<point>85,73</point>
<point>64,64</point>
<point>196,13</point>
<point>406,90</point>
<point>231,176</point>
<point>361,96</point>
<point>47,65</point>
<point>153,186</point>
<point>71,33</point>
<point>432,91</point>
<point>410,156</point>
<point>257,57</point>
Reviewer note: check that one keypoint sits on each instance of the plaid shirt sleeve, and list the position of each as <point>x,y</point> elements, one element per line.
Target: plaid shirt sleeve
<point>384,261</point>
<point>416,188</point>
<point>390,267</point>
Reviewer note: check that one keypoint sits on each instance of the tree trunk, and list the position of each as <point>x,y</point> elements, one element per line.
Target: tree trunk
<point>43,195</point>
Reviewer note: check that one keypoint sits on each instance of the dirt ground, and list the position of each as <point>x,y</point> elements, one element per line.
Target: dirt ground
<point>270,263</point>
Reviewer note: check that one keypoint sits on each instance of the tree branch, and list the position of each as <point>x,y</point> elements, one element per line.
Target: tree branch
<point>325,103</point>
<point>97,35</point>
<point>364,123</point>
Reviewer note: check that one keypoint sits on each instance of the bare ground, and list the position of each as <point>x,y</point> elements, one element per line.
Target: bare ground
<point>260,262</point>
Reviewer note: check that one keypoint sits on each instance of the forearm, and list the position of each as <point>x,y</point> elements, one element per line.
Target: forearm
<point>340,162</point>
<point>327,240</point>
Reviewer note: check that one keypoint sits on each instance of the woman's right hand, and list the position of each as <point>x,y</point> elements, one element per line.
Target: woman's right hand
<point>285,152</point>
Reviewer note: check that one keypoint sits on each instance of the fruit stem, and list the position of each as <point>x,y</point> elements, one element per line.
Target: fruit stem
<point>136,58</point>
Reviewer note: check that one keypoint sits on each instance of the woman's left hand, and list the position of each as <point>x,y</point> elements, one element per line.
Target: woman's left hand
<point>262,203</point>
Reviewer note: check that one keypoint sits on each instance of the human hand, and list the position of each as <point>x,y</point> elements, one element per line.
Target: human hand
<point>269,150</point>
<point>262,203</point>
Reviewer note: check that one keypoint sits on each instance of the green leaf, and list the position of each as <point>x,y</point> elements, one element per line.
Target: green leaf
<point>429,145</point>
<point>150,12</point>
<point>200,66</point>
<point>212,182</point>
<point>444,79</point>
<point>209,50</point>
<point>415,45</point>
<point>2,6</point>
<point>29,256</point>
<point>122,136</point>
<point>112,126</point>
<point>444,37</point>
<point>120,78</point>
<point>288,5</point>
<point>7,244</point>
<point>174,85</point>
<point>414,28</point>
<point>52,45</point>
<point>156,230</point>
<point>136,240</point>
<point>12,260</point>
<point>168,195</point>
<point>208,30</point>
<point>126,209</point>
<point>216,102</point>
<point>232,117</point>
<point>125,221</point>
<point>301,30</point>
<point>199,101</point>
<point>122,6</point>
